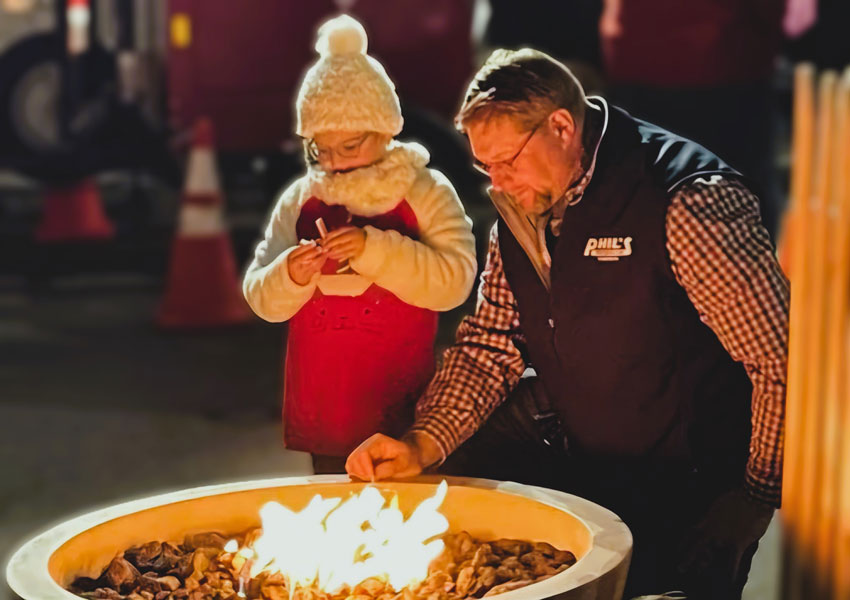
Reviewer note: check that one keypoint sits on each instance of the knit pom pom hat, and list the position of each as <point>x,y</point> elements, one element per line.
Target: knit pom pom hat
<point>346,90</point>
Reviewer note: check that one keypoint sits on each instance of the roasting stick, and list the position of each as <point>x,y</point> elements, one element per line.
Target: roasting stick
<point>797,238</point>
<point>838,385</point>
<point>343,267</point>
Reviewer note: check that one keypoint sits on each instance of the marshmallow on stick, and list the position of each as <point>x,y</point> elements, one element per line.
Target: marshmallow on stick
<point>344,267</point>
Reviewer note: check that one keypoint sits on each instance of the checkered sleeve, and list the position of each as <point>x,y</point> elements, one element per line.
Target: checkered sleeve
<point>481,368</point>
<point>723,258</point>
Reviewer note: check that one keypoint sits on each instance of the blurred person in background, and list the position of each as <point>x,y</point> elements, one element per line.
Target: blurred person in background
<point>702,69</point>
<point>630,270</point>
<point>361,301</point>
<point>818,32</point>
<point>574,42</point>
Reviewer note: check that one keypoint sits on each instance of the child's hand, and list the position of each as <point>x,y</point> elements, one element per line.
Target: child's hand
<point>305,261</point>
<point>345,243</point>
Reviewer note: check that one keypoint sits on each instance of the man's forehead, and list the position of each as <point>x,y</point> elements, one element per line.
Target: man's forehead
<point>492,137</point>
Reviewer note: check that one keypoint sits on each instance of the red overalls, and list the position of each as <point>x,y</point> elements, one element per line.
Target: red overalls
<point>355,365</point>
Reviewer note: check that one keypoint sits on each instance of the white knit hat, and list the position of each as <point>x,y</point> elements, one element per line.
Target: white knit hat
<point>346,90</point>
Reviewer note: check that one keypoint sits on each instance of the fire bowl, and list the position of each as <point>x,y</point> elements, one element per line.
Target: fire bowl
<point>487,509</point>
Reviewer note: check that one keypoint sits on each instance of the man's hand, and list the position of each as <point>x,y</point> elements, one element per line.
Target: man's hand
<point>382,457</point>
<point>305,261</point>
<point>732,524</point>
<point>345,243</point>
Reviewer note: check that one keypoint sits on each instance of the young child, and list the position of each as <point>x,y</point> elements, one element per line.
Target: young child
<point>360,299</point>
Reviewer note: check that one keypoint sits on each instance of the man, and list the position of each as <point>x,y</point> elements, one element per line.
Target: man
<point>629,267</point>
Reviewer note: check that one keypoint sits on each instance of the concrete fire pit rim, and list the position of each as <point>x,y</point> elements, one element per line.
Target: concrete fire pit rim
<point>28,576</point>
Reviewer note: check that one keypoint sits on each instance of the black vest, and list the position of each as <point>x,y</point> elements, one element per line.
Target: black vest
<point>621,350</point>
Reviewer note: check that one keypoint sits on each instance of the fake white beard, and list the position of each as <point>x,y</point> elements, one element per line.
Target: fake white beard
<point>374,189</point>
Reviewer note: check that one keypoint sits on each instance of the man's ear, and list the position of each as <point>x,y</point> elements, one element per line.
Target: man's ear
<point>562,123</point>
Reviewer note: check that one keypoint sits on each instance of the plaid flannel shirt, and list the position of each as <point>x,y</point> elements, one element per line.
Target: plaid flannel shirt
<point>723,258</point>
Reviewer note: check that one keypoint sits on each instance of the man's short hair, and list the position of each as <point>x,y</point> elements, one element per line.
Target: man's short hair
<point>526,84</point>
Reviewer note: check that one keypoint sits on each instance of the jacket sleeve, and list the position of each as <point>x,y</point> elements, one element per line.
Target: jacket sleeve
<point>437,271</point>
<point>481,368</point>
<point>267,286</point>
<point>723,258</point>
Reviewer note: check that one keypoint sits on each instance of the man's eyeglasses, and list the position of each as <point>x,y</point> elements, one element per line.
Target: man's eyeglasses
<point>349,149</point>
<point>486,169</point>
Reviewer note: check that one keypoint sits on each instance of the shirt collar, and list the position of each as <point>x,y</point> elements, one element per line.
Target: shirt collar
<point>596,125</point>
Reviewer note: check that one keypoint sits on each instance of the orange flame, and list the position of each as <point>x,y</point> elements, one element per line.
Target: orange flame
<point>331,543</point>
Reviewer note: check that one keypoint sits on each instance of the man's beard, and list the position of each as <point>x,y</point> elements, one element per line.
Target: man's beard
<point>540,205</point>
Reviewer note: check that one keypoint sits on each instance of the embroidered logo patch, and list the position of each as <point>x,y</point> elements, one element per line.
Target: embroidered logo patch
<point>608,248</point>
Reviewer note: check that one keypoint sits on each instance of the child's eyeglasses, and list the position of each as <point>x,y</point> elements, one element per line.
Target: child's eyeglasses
<point>348,149</point>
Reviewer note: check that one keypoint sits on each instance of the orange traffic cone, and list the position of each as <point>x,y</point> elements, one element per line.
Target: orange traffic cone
<point>203,286</point>
<point>74,213</point>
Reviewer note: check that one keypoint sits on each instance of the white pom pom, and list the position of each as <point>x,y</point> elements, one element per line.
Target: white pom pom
<point>341,35</point>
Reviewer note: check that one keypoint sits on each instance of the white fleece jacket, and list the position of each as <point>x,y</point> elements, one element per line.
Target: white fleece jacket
<point>436,272</point>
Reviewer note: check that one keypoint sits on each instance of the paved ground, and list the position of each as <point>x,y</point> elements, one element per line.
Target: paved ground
<point>98,406</point>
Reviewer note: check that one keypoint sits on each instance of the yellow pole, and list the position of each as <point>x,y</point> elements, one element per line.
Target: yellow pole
<point>815,325</point>
<point>801,175</point>
<point>843,553</point>
<point>835,293</point>
<point>838,344</point>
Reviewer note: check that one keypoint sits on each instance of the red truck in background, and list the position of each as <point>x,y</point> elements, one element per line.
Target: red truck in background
<point>238,63</point>
<point>241,63</point>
